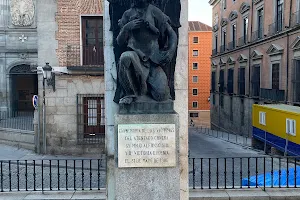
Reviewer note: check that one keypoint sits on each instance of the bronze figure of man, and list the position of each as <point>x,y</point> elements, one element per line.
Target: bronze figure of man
<point>151,43</point>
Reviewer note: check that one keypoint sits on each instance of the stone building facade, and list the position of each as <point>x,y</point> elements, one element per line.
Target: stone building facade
<point>71,40</point>
<point>18,56</point>
<point>255,59</point>
<point>200,38</point>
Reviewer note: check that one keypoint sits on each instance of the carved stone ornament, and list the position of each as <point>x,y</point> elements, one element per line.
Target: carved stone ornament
<point>274,49</point>
<point>223,22</point>
<point>23,56</point>
<point>257,1</point>
<point>215,28</point>
<point>233,15</point>
<point>244,7</point>
<point>22,12</point>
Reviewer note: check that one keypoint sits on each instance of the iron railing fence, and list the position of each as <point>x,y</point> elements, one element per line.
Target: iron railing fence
<point>272,94</point>
<point>243,40</point>
<point>257,35</point>
<point>232,45</point>
<point>52,175</point>
<point>84,56</point>
<point>275,28</point>
<point>222,48</point>
<point>214,52</point>
<point>22,120</point>
<point>244,172</point>
<point>295,20</point>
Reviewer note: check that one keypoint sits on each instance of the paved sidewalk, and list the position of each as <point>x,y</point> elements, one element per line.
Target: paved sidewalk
<point>99,195</point>
<point>14,153</point>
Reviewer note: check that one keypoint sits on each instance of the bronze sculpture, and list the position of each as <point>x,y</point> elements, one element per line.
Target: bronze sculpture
<point>146,45</point>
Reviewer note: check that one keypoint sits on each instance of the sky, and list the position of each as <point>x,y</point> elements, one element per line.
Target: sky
<point>200,10</point>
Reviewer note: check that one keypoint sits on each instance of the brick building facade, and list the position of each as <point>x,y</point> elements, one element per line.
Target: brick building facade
<point>71,40</point>
<point>255,59</point>
<point>200,38</point>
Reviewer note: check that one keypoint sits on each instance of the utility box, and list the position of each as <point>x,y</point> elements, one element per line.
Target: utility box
<point>277,125</point>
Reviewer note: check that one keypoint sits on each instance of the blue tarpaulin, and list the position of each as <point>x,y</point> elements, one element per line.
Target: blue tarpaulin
<point>269,178</point>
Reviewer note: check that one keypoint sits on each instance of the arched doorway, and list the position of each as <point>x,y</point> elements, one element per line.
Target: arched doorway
<point>24,84</point>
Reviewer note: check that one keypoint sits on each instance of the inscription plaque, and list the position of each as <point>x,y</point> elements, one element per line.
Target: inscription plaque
<point>146,145</point>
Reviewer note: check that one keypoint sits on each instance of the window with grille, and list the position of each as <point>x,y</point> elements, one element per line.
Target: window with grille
<point>195,104</point>
<point>262,118</point>
<point>245,21</point>
<point>255,80</point>
<point>195,53</point>
<point>90,118</point>
<point>213,81</point>
<point>195,79</point>
<point>195,66</point>
<point>221,81</point>
<point>275,76</point>
<point>241,81</point>
<point>195,40</point>
<point>291,127</point>
<point>194,114</point>
<point>279,15</point>
<point>230,81</point>
<point>195,92</point>
<point>260,23</point>
<point>297,81</point>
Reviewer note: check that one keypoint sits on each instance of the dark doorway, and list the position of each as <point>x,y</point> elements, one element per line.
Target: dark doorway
<point>92,40</point>
<point>24,84</point>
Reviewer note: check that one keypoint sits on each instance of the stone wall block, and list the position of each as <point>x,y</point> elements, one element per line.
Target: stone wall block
<point>58,119</point>
<point>61,83</point>
<point>62,110</point>
<point>72,110</point>
<point>70,101</point>
<point>61,92</point>
<point>50,101</point>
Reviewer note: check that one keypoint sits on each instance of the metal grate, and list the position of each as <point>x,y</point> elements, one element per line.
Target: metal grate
<point>90,119</point>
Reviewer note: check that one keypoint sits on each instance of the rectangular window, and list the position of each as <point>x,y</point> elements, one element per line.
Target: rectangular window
<point>195,79</point>
<point>194,115</point>
<point>230,81</point>
<point>297,80</point>
<point>260,23</point>
<point>262,118</point>
<point>92,41</point>
<point>242,112</point>
<point>213,81</point>
<point>233,36</point>
<point>90,119</point>
<point>195,40</point>
<point>291,127</point>
<point>223,41</point>
<point>255,80</point>
<point>195,92</point>
<point>195,104</point>
<point>216,42</point>
<point>195,66</point>
<point>195,53</point>
<point>214,99</point>
<point>221,100</point>
<point>275,76</point>
<point>221,81</point>
<point>241,81</point>
<point>245,33</point>
<point>231,109</point>
<point>279,15</point>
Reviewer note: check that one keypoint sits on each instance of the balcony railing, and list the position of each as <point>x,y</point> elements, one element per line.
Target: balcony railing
<point>272,94</point>
<point>243,40</point>
<point>275,28</point>
<point>257,35</point>
<point>295,19</point>
<point>232,45</point>
<point>214,52</point>
<point>85,56</point>
<point>255,89</point>
<point>222,48</point>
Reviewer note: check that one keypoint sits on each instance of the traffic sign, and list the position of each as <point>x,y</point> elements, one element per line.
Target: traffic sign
<point>35,102</point>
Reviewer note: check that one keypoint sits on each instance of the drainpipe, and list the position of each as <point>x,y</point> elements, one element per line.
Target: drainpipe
<point>288,54</point>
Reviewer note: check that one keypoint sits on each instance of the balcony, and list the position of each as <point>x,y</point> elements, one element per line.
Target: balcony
<point>243,40</point>
<point>257,35</point>
<point>295,21</point>
<point>222,48</point>
<point>255,89</point>
<point>275,28</point>
<point>232,45</point>
<point>214,52</point>
<point>272,94</point>
<point>87,56</point>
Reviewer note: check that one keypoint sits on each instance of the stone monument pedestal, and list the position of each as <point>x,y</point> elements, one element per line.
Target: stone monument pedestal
<point>146,162</point>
